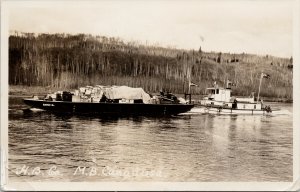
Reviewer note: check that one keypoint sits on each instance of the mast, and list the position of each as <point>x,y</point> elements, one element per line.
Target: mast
<point>261,77</point>
<point>189,74</point>
<point>189,91</point>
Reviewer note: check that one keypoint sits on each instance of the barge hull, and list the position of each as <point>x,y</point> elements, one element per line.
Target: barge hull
<point>109,108</point>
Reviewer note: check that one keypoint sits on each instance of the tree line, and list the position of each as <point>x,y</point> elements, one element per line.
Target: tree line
<point>70,61</point>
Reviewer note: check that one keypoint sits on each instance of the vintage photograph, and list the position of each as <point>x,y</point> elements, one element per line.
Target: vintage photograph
<point>148,91</point>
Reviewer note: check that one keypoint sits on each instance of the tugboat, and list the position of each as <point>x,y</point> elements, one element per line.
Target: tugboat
<point>220,101</point>
<point>111,100</point>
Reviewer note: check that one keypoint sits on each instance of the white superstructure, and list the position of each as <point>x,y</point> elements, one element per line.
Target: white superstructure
<point>221,99</point>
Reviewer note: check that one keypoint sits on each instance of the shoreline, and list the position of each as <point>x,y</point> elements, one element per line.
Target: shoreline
<point>29,91</point>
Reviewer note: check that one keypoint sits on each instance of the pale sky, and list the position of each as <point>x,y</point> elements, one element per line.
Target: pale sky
<point>250,26</point>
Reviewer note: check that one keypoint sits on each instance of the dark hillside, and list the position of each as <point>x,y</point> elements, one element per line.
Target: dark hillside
<point>69,61</point>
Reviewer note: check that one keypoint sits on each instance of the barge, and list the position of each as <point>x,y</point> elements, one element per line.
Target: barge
<point>112,100</point>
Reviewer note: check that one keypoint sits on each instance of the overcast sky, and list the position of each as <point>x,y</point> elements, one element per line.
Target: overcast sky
<point>250,26</point>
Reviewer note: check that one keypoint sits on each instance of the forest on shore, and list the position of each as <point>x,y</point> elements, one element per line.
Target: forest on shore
<point>69,61</point>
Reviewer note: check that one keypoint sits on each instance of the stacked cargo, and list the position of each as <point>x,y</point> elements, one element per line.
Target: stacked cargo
<point>98,93</point>
<point>112,94</point>
<point>89,94</point>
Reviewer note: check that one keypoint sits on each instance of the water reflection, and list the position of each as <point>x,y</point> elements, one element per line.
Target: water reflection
<point>198,147</point>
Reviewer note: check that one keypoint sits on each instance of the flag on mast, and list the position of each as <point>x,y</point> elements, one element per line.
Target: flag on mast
<point>264,75</point>
<point>192,84</point>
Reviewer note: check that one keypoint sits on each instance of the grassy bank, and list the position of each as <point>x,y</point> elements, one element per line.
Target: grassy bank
<point>20,90</point>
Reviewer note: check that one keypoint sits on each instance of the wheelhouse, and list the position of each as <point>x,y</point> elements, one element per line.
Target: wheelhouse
<point>219,94</point>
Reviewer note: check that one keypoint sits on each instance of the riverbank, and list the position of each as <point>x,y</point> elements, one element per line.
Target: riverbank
<point>20,90</point>
<point>26,91</point>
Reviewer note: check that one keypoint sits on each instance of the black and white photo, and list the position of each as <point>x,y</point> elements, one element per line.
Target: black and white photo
<point>150,95</point>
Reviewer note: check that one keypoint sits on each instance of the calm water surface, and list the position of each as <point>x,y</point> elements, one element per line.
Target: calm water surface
<point>188,147</point>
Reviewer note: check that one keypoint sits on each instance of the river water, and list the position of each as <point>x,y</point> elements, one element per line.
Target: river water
<point>189,147</point>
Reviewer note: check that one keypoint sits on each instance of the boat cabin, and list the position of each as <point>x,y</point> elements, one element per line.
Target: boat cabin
<point>221,97</point>
<point>219,94</point>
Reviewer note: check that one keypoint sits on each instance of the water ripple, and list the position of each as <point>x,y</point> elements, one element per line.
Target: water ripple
<point>188,147</point>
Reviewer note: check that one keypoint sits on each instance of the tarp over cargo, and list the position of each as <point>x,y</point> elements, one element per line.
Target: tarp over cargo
<point>124,92</point>
<point>114,92</point>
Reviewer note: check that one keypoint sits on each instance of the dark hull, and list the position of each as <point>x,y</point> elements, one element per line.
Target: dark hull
<point>109,108</point>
